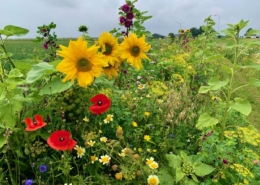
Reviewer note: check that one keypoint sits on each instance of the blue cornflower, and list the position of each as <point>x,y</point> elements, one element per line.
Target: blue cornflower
<point>29,182</point>
<point>43,168</point>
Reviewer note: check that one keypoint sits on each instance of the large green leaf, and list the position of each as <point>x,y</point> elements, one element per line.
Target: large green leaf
<point>166,176</point>
<point>202,169</point>
<point>254,81</point>
<point>55,86</point>
<point>251,64</point>
<point>38,71</point>
<point>205,120</point>
<point>216,84</point>
<point>11,30</point>
<point>8,111</point>
<point>2,91</point>
<point>174,160</point>
<point>179,175</point>
<point>15,73</point>
<point>2,140</point>
<point>204,89</point>
<point>241,105</point>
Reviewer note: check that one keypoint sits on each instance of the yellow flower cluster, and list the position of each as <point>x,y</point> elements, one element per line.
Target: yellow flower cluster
<point>246,135</point>
<point>241,170</point>
<point>159,88</point>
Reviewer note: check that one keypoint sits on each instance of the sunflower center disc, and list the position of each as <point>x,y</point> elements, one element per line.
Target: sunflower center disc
<point>135,51</point>
<point>84,65</point>
<point>108,49</point>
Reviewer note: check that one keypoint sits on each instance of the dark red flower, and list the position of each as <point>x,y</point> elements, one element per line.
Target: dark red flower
<point>101,104</point>
<point>34,125</point>
<point>125,8</point>
<point>128,23</point>
<point>45,45</point>
<point>122,19</point>
<point>130,15</point>
<point>60,140</point>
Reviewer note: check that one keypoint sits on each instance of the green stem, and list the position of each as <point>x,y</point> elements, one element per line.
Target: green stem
<point>1,72</point>
<point>3,46</point>
<point>223,124</point>
<point>9,169</point>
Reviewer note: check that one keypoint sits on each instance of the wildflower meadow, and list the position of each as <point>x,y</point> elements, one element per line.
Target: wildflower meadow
<point>129,109</point>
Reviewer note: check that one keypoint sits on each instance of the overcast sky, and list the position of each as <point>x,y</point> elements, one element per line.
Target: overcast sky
<point>102,15</point>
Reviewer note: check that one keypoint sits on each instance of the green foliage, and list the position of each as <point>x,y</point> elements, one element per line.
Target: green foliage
<point>11,30</point>
<point>185,166</point>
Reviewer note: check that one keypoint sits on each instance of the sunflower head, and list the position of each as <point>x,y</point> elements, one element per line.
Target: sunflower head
<point>109,47</point>
<point>80,62</point>
<point>181,31</point>
<point>133,49</point>
<point>112,71</point>
<point>188,31</point>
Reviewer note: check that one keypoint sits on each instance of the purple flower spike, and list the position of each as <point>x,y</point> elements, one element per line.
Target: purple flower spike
<point>128,23</point>
<point>125,8</point>
<point>43,168</point>
<point>122,20</point>
<point>29,182</point>
<point>45,45</point>
<point>130,15</point>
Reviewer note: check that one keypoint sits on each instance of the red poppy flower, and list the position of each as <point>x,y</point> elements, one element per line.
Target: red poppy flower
<point>34,125</point>
<point>60,140</point>
<point>101,104</point>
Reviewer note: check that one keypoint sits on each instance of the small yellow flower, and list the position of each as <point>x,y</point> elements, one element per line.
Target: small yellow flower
<point>100,131</point>
<point>147,114</point>
<point>134,124</point>
<point>153,165</point>
<point>147,138</point>
<point>91,143</point>
<point>109,118</point>
<point>153,180</point>
<point>104,159</point>
<point>140,149</point>
<point>86,119</point>
<point>93,158</point>
<point>119,176</point>
<point>103,139</point>
<point>149,161</point>
<point>122,154</point>
<point>154,150</point>
<point>141,86</point>
<point>159,101</point>
<point>148,96</point>
<point>80,151</point>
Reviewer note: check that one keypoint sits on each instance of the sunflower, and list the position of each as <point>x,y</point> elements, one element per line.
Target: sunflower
<point>188,31</point>
<point>133,50</point>
<point>181,31</point>
<point>81,62</point>
<point>111,70</point>
<point>109,48</point>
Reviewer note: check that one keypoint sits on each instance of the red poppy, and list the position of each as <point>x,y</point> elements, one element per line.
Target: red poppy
<point>101,104</point>
<point>34,125</point>
<point>60,140</point>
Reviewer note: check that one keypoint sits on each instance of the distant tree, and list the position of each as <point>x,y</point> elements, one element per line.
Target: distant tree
<point>171,35</point>
<point>83,29</point>
<point>156,36</point>
<point>194,31</point>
